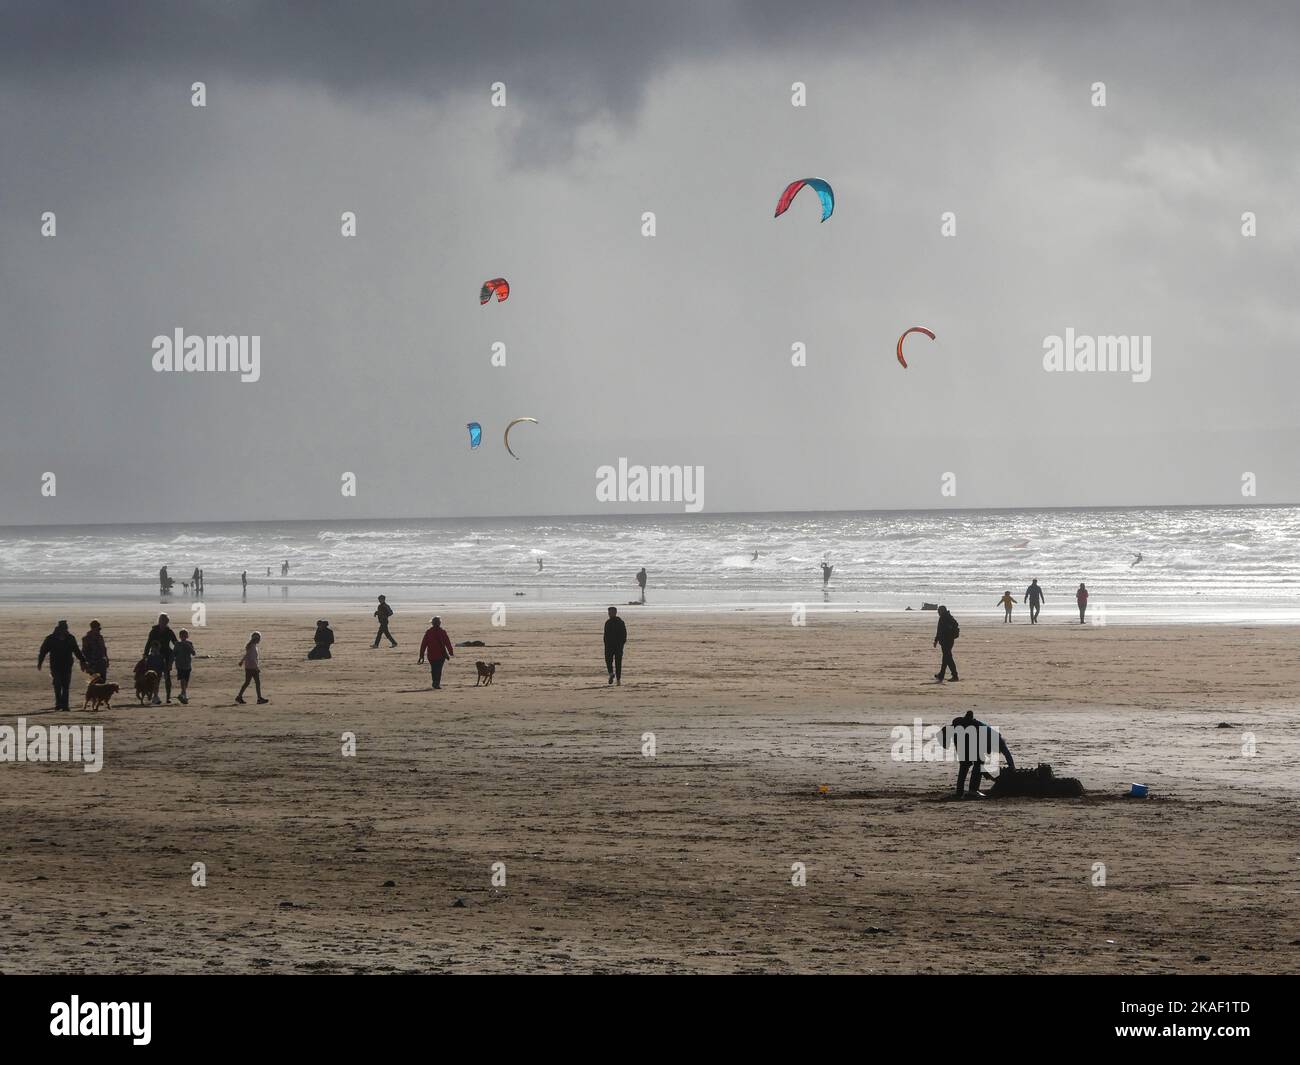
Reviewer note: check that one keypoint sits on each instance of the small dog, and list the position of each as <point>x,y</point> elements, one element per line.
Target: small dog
<point>486,671</point>
<point>146,686</point>
<point>98,693</point>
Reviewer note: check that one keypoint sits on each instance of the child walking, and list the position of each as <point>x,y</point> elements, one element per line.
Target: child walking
<point>1005,602</point>
<point>183,656</point>
<point>252,673</point>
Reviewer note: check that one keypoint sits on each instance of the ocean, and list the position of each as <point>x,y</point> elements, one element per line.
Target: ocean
<point>1199,564</point>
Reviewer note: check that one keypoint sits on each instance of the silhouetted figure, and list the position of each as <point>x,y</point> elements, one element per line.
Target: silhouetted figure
<point>202,582</point>
<point>1137,557</point>
<point>162,635</point>
<point>383,612</point>
<point>95,652</point>
<point>1081,597</point>
<point>323,640</point>
<point>62,648</point>
<point>539,565</point>
<point>615,639</point>
<point>827,570</point>
<point>164,582</point>
<point>1035,598</point>
<point>284,569</point>
<point>243,583</point>
<point>437,646</point>
<point>945,636</point>
<point>252,668</point>
<point>755,558</point>
<point>973,740</point>
<point>1006,603</point>
<point>641,579</point>
<point>196,580</point>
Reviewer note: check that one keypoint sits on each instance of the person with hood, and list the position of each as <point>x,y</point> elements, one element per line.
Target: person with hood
<point>62,648</point>
<point>615,639</point>
<point>323,639</point>
<point>973,741</point>
<point>641,579</point>
<point>162,635</point>
<point>1081,597</point>
<point>437,646</point>
<point>945,636</point>
<point>95,652</point>
<point>383,612</point>
<point>1035,598</point>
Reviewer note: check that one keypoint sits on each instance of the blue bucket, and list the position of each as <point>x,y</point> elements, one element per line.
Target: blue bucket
<point>1138,791</point>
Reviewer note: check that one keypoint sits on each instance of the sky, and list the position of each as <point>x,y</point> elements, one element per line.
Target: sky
<point>671,349</point>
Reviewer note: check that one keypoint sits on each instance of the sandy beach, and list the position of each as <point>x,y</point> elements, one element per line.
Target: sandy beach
<point>615,861</point>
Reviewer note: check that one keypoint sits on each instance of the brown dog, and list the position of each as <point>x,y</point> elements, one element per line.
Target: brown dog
<point>146,686</point>
<point>486,671</point>
<point>98,693</point>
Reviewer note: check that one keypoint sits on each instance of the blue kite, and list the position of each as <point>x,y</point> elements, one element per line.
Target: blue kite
<point>475,434</point>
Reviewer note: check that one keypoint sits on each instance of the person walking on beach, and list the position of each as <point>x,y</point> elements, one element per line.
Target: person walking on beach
<point>383,612</point>
<point>252,669</point>
<point>243,583</point>
<point>201,581</point>
<point>1035,598</point>
<point>641,579</point>
<point>615,639</point>
<point>973,741</point>
<point>322,641</point>
<point>1006,602</point>
<point>61,646</point>
<point>827,570</point>
<point>184,663</point>
<point>436,645</point>
<point>164,582</point>
<point>162,635</point>
<point>1081,597</point>
<point>196,581</point>
<point>95,652</point>
<point>945,636</point>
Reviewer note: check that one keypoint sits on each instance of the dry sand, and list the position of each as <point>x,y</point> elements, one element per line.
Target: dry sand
<point>681,862</point>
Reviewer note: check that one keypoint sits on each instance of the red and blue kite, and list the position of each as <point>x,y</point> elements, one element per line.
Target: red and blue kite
<point>822,188</point>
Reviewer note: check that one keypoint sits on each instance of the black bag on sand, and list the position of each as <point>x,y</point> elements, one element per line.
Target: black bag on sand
<point>1038,783</point>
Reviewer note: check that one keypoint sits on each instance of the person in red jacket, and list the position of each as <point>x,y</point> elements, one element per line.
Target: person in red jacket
<point>437,646</point>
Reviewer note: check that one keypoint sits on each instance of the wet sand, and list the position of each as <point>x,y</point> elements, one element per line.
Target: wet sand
<point>615,861</point>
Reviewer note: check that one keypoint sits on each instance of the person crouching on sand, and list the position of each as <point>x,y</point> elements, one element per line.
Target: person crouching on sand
<point>1006,603</point>
<point>252,671</point>
<point>437,645</point>
<point>322,641</point>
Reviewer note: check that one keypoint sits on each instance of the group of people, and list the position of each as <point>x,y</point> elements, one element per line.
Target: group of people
<point>195,583</point>
<point>1035,597</point>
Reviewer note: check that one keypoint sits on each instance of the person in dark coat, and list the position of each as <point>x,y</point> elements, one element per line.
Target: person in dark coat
<point>615,638</point>
<point>162,635</point>
<point>945,636</point>
<point>437,646</point>
<point>323,639</point>
<point>61,646</point>
<point>974,742</point>
<point>383,612</point>
<point>95,651</point>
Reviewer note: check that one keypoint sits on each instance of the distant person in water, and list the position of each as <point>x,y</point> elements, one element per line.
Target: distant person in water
<point>196,580</point>
<point>945,636</point>
<point>252,668</point>
<point>539,565</point>
<point>383,612</point>
<point>61,647</point>
<point>202,581</point>
<point>1035,598</point>
<point>827,570</point>
<point>436,645</point>
<point>164,582</point>
<point>1137,557</point>
<point>615,639</point>
<point>243,581</point>
<point>284,569</point>
<point>162,635</point>
<point>1006,602</point>
<point>95,652</point>
<point>641,579</point>
<point>1081,597</point>
<point>755,558</point>
<point>322,641</point>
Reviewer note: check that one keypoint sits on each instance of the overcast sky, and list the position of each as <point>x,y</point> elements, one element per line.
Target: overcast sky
<point>1123,219</point>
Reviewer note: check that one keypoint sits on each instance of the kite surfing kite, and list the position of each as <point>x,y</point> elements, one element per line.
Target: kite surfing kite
<point>475,434</point>
<point>914,329</point>
<point>511,426</point>
<point>822,188</point>
<point>499,285</point>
